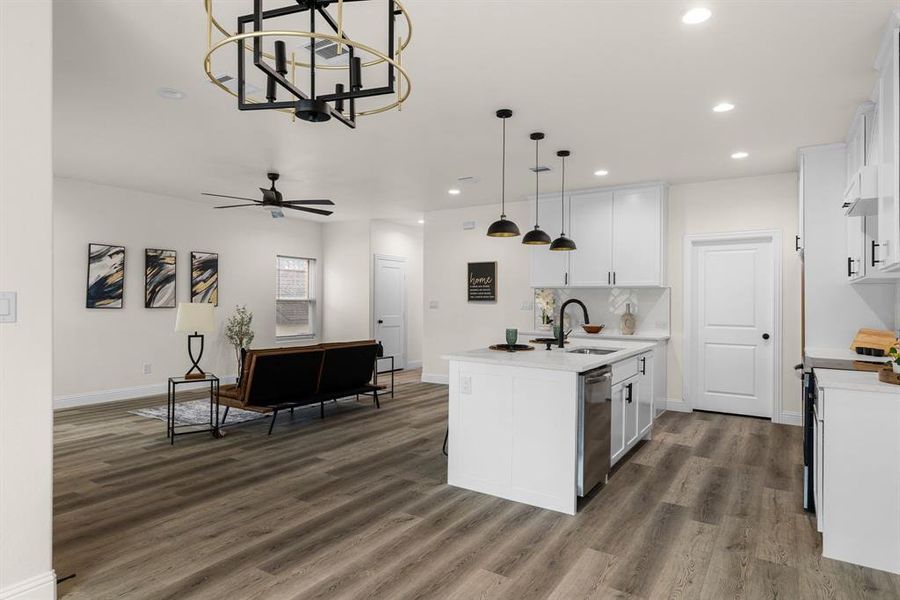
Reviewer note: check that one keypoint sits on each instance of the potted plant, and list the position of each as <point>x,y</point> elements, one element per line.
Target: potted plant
<point>239,333</point>
<point>895,359</point>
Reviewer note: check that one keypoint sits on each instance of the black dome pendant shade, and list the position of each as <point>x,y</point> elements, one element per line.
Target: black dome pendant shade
<point>562,243</point>
<point>504,227</point>
<point>537,236</point>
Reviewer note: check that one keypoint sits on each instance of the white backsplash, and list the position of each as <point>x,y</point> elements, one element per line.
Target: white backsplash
<point>651,307</point>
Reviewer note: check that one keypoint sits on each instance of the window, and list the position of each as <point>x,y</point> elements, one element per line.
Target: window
<point>295,300</point>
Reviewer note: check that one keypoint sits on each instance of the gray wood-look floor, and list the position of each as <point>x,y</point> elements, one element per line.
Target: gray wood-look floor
<point>355,506</point>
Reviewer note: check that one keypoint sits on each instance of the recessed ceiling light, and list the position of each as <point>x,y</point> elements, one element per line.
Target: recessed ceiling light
<point>421,221</point>
<point>170,93</point>
<point>740,154</point>
<point>601,173</point>
<point>696,16</point>
<point>453,192</point>
<point>723,107</point>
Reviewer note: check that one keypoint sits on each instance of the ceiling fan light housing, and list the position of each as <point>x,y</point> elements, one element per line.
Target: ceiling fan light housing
<point>314,111</point>
<point>503,228</point>
<point>536,237</point>
<point>563,244</point>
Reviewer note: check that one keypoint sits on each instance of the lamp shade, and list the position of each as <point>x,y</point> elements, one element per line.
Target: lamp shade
<point>195,316</point>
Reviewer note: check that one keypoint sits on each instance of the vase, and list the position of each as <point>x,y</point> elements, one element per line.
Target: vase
<point>628,322</point>
<point>895,367</point>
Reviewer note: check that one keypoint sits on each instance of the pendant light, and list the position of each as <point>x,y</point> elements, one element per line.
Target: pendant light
<point>536,236</point>
<point>504,227</point>
<point>562,243</point>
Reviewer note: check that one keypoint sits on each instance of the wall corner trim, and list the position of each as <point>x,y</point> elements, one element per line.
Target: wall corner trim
<point>39,587</point>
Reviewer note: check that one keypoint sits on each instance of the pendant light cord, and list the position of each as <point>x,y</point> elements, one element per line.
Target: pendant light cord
<point>503,176</point>
<point>562,200</point>
<point>537,176</point>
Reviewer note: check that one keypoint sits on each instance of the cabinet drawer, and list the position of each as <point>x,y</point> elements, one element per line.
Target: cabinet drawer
<point>629,367</point>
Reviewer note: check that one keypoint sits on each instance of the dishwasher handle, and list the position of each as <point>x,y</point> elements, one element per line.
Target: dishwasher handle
<point>593,378</point>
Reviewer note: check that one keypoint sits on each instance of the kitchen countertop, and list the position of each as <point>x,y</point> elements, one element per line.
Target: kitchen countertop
<point>649,336</point>
<point>556,359</point>
<point>840,354</point>
<point>861,381</point>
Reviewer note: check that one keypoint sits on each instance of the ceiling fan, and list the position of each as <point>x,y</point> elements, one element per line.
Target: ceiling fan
<point>273,201</point>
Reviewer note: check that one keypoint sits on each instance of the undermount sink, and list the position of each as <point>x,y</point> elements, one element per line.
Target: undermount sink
<point>585,350</point>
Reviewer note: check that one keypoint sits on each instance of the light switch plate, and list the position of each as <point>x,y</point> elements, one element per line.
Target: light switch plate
<point>465,385</point>
<point>7,307</point>
<point>434,305</point>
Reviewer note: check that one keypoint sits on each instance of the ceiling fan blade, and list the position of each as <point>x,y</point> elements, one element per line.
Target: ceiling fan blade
<point>236,205</point>
<point>309,210</point>
<point>232,197</point>
<point>323,202</point>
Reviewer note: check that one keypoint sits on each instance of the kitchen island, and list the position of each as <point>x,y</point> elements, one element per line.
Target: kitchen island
<point>516,419</point>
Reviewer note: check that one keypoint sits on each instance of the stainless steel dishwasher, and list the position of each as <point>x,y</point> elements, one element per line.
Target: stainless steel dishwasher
<point>594,420</point>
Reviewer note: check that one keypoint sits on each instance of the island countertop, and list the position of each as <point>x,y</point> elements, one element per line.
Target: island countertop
<point>557,359</point>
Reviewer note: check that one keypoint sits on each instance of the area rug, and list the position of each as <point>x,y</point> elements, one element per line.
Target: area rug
<point>196,412</point>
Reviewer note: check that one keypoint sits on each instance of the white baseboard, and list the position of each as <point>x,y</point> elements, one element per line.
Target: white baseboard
<point>677,405</point>
<point>101,397</point>
<point>39,587</point>
<point>435,378</point>
<point>414,364</point>
<point>789,417</point>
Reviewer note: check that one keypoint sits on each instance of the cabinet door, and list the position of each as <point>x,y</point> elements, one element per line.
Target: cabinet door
<point>592,221</point>
<point>645,394</point>
<point>637,237</point>
<point>617,426</point>
<point>884,153</point>
<point>549,269</point>
<point>800,240</point>
<point>632,389</point>
<point>856,248</point>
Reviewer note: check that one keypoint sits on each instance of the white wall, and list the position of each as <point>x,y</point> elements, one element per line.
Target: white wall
<point>345,276</point>
<point>99,354</point>
<point>392,239</point>
<point>732,205</point>
<point>456,324</point>
<point>26,361</point>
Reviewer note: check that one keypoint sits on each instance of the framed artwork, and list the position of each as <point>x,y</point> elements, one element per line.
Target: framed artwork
<point>159,278</point>
<point>105,276</point>
<point>205,277</point>
<point>482,282</point>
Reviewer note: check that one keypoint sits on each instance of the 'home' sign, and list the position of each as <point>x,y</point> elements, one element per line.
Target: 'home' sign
<point>482,282</point>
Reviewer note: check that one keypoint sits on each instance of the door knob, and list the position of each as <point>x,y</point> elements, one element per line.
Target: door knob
<point>380,322</point>
<point>765,336</point>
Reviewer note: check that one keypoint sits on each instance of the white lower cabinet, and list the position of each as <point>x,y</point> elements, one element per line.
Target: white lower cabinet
<point>632,404</point>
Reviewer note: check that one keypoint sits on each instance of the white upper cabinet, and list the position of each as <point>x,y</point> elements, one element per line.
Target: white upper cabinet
<point>549,269</point>
<point>884,152</point>
<point>619,234</point>
<point>637,237</point>
<point>592,216</point>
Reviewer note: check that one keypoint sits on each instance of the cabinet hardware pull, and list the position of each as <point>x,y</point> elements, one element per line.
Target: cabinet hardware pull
<point>614,278</point>
<point>850,271</point>
<point>608,277</point>
<point>845,205</point>
<point>567,279</point>
<point>643,366</point>
<point>628,395</point>
<point>874,261</point>
<point>797,243</point>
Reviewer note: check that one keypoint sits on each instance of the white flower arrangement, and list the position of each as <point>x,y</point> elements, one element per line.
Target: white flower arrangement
<point>545,299</point>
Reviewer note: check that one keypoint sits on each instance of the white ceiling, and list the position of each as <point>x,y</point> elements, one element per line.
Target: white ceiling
<point>623,84</point>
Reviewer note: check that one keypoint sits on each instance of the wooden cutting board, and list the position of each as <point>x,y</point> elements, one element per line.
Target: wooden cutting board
<point>873,338</point>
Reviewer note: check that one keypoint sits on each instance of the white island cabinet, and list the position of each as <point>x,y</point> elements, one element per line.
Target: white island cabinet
<point>514,418</point>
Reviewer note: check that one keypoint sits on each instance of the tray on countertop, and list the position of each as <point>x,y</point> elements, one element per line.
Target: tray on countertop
<point>887,375</point>
<point>514,348</point>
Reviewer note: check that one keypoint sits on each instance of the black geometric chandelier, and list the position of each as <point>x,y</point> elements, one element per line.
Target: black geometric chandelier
<point>335,63</point>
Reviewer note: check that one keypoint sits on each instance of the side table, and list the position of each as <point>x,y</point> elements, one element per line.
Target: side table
<point>213,427</point>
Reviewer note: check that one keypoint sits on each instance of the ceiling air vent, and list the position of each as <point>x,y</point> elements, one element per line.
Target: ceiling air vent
<point>327,51</point>
<point>540,169</point>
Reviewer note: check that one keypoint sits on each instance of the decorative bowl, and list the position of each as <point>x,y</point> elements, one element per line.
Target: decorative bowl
<point>593,328</point>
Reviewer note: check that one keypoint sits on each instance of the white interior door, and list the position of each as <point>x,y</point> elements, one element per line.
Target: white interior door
<point>732,303</point>
<point>389,308</point>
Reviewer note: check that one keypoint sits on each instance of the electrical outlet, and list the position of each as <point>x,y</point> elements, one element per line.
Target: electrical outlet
<point>148,368</point>
<point>465,385</point>
<point>434,305</point>
<point>527,305</point>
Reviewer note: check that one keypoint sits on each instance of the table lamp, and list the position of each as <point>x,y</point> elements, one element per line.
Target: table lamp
<point>195,319</point>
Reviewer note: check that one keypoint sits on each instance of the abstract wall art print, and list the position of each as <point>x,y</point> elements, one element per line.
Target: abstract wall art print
<point>159,278</point>
<point>106,276</point>
<point>205,277</point>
